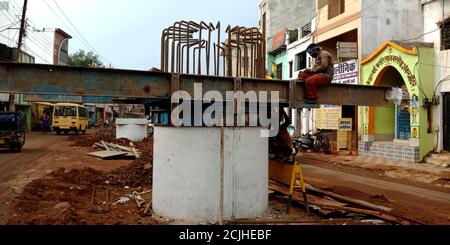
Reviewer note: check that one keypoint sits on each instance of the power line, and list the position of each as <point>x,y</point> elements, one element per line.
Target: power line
<point>12,41</point>
<point>6,37</point>
<point>35,54</point>
<point>8,15</point>
<point>39,45</point>
<point>73,27</point>
<point>35,30</point>
<point>6,27</point>
<point>76,29</point>
<point>411,39</point>
<point>39,37</point>
<point>14,5</point>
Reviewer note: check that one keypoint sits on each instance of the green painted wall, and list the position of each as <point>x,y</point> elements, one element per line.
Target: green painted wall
<point>385,120</point>
<point>419,80</point>
<point>278,58</point>
<point>385,116</point>
<point>426,74</point>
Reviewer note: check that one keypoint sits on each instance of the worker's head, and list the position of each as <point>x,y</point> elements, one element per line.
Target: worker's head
<point>313,50</point>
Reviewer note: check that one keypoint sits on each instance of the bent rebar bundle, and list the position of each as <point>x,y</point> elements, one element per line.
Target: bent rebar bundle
<point>188,47</point>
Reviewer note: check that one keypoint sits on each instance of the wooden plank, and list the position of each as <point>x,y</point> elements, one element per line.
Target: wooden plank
<point>314,201</point>
<point>105,146</point>
<point>124,148</point>
<point>348,199</point>
<point>136,154</point>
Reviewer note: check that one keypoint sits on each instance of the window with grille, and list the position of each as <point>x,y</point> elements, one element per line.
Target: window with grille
<point>335,8</point>
<point>291,69</point>
<point>445,35</point>
<point>306,30</point>
<point>300,61</point>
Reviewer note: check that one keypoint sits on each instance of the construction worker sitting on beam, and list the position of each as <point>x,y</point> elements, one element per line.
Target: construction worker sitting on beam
<point>320,75</point>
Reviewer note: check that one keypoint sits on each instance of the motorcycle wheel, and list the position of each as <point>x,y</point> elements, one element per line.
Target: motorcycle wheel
<point>317,147</point>
<point>327,146</point>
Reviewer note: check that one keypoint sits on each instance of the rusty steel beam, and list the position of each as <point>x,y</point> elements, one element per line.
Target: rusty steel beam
<point>115,83</point>
<point>84,99</point>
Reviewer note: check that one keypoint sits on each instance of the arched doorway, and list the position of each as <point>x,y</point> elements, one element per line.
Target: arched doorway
<point>393,122</point>
<point>402,132</point>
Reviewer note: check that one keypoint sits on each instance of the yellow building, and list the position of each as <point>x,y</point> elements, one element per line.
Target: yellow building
<point>338,25</point>
<point>338,21</point>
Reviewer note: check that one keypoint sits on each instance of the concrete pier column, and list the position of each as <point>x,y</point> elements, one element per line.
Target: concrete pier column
<point>186,173</point>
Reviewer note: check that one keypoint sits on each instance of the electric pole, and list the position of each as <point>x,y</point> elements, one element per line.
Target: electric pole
<point>22,30</point>
<point>19,46</point>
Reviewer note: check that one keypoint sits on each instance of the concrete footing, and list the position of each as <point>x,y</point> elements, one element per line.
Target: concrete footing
<point>186,173</point>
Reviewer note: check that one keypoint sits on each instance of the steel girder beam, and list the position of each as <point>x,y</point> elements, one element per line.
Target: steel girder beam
<point>37,79</point>
<point>85,99</point>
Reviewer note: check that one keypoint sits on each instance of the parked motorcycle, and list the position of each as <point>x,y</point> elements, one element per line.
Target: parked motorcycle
<point>322,142</point>
<point>304,143</point>
<point>312,142</point>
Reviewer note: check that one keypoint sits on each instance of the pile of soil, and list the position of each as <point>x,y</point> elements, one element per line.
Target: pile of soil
<point>134,175</point>
<point>89,140</point>
<point>65,196</point>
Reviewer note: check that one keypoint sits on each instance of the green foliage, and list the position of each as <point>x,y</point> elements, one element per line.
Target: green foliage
<point>83,59</point>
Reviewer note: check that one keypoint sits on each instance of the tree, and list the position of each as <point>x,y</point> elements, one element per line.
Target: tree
<point>83,59</point>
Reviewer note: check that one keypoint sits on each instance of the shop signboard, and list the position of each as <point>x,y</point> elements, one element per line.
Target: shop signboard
<point>344,134</point>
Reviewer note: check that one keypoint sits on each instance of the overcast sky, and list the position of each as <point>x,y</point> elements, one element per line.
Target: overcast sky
<point>128,33</point>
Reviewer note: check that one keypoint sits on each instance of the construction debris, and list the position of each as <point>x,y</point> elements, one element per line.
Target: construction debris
<point>122,200</point>
<point>107,154</point>
<point>115,150</point>
<point>66,196</point>
<point>136,196</point>
<point>325,204</point>
<point>348,199</point>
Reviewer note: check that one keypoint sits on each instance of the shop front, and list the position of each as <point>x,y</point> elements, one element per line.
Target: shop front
<point>402,132</point>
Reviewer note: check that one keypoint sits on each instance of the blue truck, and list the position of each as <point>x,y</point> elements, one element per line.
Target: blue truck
<point>12,130</point>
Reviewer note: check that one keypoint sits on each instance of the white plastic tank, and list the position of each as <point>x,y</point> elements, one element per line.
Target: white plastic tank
<point>186,173</point>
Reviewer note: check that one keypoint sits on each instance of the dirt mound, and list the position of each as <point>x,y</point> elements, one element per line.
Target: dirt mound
<point>133,175</point>
<point>89,140</point>
<point>65,196</point>
<point>139,172</point>
<point>83,176</point>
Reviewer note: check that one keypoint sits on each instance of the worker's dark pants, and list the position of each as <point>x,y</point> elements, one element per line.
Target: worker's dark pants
<point>312,82</point>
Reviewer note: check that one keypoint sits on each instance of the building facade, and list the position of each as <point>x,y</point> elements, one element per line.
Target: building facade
<point>437,31</point>
<point>402,132</point>
<point>288,26</point>
<point>353,30</point>
<point>281,22</point>
<point>339,32</point>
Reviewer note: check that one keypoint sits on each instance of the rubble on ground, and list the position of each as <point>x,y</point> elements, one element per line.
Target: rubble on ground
<point>66,196</point>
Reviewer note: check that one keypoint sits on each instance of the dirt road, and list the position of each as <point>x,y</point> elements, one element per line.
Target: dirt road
<point>37,145</point>
<point>17,169</point>
<point>421,204</point>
